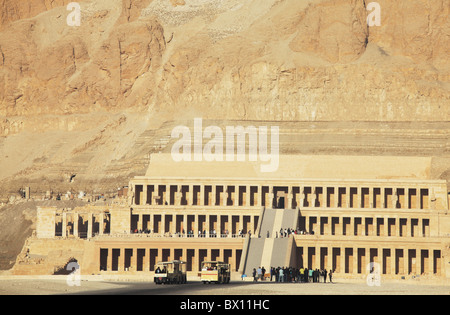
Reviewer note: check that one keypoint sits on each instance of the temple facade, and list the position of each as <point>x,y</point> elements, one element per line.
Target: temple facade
<point>230,212</point>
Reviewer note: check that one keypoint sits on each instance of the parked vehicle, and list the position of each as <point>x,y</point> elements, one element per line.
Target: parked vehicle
<point>215,271</point>
<point>170,272</point>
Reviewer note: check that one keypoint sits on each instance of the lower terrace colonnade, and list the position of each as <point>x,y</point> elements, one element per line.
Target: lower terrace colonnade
<point>345,260</point>
<point>144,259</point>
<point>342,260</point>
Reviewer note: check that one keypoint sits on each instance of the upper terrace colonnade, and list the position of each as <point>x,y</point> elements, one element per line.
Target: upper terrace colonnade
<point>219,192</point>
<point>300,182</point>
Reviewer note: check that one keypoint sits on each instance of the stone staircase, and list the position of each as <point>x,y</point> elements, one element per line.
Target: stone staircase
<point>268,249</point>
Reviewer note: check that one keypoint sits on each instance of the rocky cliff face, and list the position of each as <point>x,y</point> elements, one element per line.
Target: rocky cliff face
<point>87,99</point>
<point>290,59</point>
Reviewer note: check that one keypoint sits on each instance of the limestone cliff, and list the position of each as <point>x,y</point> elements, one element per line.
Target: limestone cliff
<point>91,100</point>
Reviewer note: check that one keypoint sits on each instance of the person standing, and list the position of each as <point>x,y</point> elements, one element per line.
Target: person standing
<point>281,275</point>
<point>254,275</point>
<point>330,275</point>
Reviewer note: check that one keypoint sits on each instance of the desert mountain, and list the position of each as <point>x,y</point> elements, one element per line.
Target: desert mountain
<point>82,107</point>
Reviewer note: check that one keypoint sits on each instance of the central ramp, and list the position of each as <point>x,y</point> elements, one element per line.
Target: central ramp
<point>268,249</point>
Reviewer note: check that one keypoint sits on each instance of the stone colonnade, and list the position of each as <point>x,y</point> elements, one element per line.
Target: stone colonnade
<point>142,258</point>
<point>84,224</point>
<point>195,223</point>
<point>378,195</point>
<point>354,260</point>
<point>360,224</point>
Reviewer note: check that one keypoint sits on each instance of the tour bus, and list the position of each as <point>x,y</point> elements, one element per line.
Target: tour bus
<point>170,272</point>
<point>215,271</point>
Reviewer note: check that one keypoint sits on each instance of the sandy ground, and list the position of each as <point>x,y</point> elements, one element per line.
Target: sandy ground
<point>56,286</point>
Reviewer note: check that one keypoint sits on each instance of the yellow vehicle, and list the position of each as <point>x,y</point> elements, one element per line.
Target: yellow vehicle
<point>170,272</point>
<point>215,271</point>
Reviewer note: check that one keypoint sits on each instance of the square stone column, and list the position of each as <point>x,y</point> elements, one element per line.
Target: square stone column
<point>394,198</point>
<point>178,195</point>
<point>202,195</point>
<point>329,230</point>
<point>247,195</point>
<point>185,225</point>
<point>196,225</point>
<point>173,224</point>
<point>139,224</point>
<point>336,197</point>
<point>252,224</point>
<point>133,259</point>
<point>397,226</point>
<point>144,194</point>
<point>163,223</point>
<point>191,195</point>
<point>90,224</point>
<point>146,260</point>
<point>271,197</point>
<point>121,260</point>
<point>64,224</point>
<point>393,260</point>
<point>347,197</point>
<point>100,223</point>
<point>167,199</point>
<point>213,194</point>
<point>76,218</point>
<point>318,256</point>
<point>408,227</point>
<point>359,197</point>
<point>313,197</point>
<point>260,196</point>
<point>342,260</point>
<point>355,261</point>
<point>219,226</point>
<point>109,260</point>
<point>289,198</point>
<point>405,260</point>
<point>419,261</point>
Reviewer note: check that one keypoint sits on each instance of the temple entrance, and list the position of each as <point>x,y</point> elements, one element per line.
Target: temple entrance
<point>280,196</point>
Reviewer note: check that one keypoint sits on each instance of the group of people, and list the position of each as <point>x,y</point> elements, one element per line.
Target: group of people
<point>158,270</point>
<point>287,232</point>
<point>190,233</point>
<point>290,274</point>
